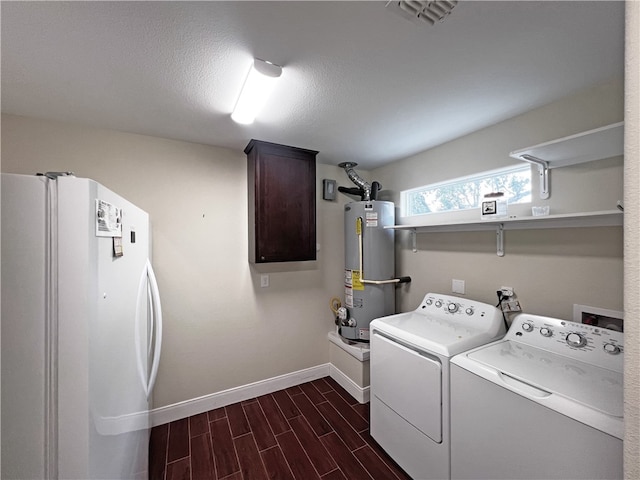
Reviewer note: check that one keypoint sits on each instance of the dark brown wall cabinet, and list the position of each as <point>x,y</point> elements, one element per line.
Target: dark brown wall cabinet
<point>282,202</point>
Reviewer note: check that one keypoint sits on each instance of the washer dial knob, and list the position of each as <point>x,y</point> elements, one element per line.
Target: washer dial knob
<point>438,303</point>
<point>611,348</point>
<point>429,301</point>
<point>452,307</point>
<point>576,340</point>
<point>546,332</point>
<point>527,327</point>
<point>469,311</point>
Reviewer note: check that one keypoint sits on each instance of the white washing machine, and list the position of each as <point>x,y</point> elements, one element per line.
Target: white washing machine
<point>409,365</point>
<point>544,402</point>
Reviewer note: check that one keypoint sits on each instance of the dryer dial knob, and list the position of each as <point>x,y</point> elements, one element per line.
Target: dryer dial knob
<point>469,311</point>
<point>611,348</point>
<point>452,307</point>
<point>576,340</point>
<point>527,327</point>
<point>546,332</point>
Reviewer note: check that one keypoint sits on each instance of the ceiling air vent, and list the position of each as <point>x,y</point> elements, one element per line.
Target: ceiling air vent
<point>428,12</point>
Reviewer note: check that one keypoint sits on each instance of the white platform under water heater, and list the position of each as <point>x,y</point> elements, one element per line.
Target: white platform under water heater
<point>369,255</point>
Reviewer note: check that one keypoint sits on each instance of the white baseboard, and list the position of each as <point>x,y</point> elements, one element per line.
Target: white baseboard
<point>359,393</point>
<point>205,403</point>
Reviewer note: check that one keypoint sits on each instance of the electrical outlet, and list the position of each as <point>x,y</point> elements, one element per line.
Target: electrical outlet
<point>264,280</point>
<point>507,291</point>
<point>457,286</point>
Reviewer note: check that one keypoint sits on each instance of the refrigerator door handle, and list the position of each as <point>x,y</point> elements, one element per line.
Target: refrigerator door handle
<point>142,289</point>
<point>157,324</point>
<point>149,285</point>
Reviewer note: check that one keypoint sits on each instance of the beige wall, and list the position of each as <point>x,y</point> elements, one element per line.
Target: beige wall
<point>550,270</point>
<point>632,243</point>
<point>221,329</point>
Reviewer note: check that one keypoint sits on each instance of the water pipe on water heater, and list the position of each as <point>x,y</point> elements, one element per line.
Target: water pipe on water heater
<point>360,250</point>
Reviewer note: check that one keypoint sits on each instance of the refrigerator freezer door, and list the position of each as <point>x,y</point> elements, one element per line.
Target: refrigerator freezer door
<point>98,355</point>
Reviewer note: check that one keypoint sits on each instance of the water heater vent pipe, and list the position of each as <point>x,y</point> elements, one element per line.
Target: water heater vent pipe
<point>357,179</point>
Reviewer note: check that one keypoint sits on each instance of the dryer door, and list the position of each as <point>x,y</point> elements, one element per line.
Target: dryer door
<point>409,382</point>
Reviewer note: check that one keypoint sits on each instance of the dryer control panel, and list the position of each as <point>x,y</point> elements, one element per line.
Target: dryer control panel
<point>443,325</point>
<point>446,306</point>
<point>587,343</point>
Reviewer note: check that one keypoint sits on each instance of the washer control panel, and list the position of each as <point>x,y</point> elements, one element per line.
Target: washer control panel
<point>582,342</point>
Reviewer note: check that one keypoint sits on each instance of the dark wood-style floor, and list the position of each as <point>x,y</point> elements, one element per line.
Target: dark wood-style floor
<point>312,431</point>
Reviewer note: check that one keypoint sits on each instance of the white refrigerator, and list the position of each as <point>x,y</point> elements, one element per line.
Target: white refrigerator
<point>81,330</point>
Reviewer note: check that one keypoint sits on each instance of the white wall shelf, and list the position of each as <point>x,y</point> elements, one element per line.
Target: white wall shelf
<point>596,144</point>
<point>607,218</point>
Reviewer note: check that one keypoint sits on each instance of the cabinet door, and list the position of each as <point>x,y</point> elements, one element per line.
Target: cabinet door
<point>282,203</point>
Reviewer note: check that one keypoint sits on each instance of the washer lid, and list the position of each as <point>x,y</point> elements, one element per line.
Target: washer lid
<point>445,337</point>
<point>595,387</point>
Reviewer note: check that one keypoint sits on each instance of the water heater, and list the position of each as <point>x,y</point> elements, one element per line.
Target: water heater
<point>369,266</point>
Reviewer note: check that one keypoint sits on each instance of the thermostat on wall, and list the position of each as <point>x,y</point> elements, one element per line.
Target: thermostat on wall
<point>328,189</point>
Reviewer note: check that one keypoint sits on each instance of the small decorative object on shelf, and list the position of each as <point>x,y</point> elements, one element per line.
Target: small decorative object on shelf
<point>540,211</point>
<point>494,206</point>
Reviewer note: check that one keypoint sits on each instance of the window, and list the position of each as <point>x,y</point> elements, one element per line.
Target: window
<point>467,192</point>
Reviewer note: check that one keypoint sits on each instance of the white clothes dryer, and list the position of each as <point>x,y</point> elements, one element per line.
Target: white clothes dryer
<point>544,402</point>
<point>409,361</point>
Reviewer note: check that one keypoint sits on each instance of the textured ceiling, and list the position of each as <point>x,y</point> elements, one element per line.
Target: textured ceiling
<point>360,83</point>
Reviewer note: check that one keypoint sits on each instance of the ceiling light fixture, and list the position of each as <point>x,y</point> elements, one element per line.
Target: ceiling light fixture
<point>256,89</point>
